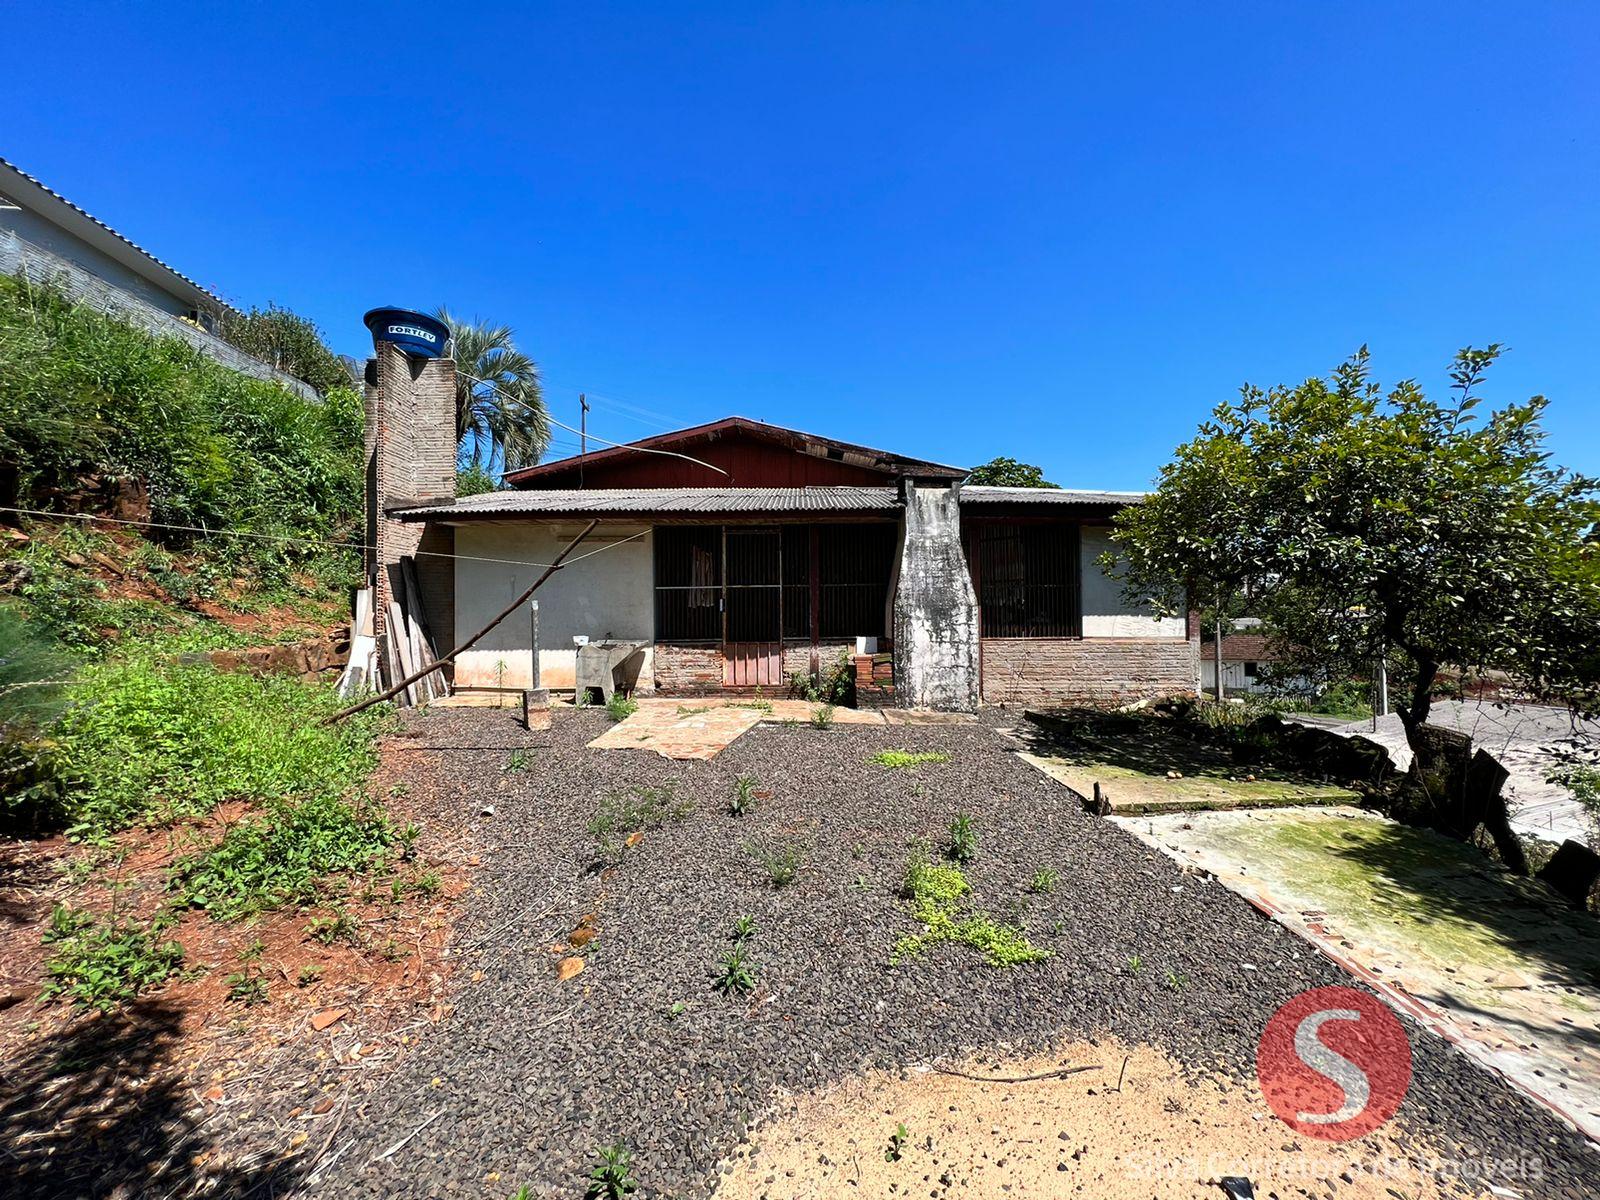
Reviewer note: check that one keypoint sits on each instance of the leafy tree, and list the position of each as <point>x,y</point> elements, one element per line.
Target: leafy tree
<point>288,341</point>
<point>501,419</point>
<point>1008,472</point>
<point>1385,526</point>
<point>473,480</point>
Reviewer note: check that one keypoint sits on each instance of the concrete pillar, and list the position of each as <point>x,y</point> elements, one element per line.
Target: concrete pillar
<point>411,459</point>
<point>935,607</point>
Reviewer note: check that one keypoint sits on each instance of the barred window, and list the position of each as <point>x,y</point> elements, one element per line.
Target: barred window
<point>1027,578</point>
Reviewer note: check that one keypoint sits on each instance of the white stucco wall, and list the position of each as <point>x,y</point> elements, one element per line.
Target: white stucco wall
<point>608,595</point>
<point>1105,612</point>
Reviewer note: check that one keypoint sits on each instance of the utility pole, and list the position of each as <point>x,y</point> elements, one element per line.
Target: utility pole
<point>583,433</point>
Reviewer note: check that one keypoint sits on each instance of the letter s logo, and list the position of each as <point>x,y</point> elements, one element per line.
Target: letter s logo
<point>1334,1063</point>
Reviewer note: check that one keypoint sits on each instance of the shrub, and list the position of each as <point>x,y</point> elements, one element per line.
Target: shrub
<point>781,863</point>
<point>145,737</point>
<point>900,760</point>
<point>833,686</point>
<point>963,843</point>
<point>102,965</point>
<point>280,855</point>
<point>291,343</point>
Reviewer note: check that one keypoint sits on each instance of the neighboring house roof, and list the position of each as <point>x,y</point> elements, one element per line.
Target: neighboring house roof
<point>1238,647</point>
<point>685,440</point>
<point>659,502</point>
<point>975,493</point>
<point>22,189</point>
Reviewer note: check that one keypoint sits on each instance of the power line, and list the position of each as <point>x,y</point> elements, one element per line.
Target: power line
<point>618,445</point>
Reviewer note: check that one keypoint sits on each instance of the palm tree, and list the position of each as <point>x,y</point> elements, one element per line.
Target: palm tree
<point>501,420</point>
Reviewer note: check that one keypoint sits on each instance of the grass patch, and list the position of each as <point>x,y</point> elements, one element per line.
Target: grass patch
<point>936,892</point>
<point>621,707</point>
<point>900,760</point>
<point>759,705</point>
<point>101,965</point>
<point>281,854</point>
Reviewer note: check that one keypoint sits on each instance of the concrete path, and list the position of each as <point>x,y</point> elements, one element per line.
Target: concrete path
<point>1494,963</point>
<point>1529,740</point>
<point>699,729</point>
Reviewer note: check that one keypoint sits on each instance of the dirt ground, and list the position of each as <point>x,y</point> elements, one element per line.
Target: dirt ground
<point>1163,1134</point>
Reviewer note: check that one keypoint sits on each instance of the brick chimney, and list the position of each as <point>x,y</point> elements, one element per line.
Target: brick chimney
<point>410,459</point>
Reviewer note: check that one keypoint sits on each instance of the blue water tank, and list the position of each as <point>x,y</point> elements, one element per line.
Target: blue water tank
<point>415,333</point>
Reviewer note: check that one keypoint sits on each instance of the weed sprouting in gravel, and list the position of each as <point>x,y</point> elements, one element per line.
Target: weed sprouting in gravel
<point>247,987</point>
<point>1177,981</point>
<point>517,760</point>
<point>822,717</point>
<point>897,1143</point>
<point>1044,881</point>
<point>743,930</point>
<point>781,863</point>
<point>744,795</point>
<point>963,843</point>
<point>621,814</point>
<point>308,975</point>
<point>735,974</point>
<point>676,1009</point>
<point>621,707</point>
<point>103,965</point>
<point>611,1176</point>
<point>900,760</point>
<point>936,892</point>
<point>1135,965</point>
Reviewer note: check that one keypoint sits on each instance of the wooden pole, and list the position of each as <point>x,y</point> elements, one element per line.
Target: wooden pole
<point>506,612</point>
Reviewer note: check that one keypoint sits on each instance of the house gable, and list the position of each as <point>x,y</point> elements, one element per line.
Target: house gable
<point>746,454</point>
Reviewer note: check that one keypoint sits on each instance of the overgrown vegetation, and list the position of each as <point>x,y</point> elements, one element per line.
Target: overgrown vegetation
<point>291,343</point>
<point>85,397</point>
<point>147,739</point>
<point>936,892</point>
<point>33,675</point>
<point>835,685</point>
<point>281,854</point>
<point>900,760</point>
<point>1584,784</point>
<point>102,964</point>
<point>621,707</point>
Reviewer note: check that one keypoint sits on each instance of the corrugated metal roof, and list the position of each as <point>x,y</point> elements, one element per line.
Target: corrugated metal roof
<point>605,501</point>
<point>984,494</point>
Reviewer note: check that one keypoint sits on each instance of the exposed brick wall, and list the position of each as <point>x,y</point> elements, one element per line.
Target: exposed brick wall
<point>688,669</point>
<point>1087,671</point>
<point>411,444</point>
<point>874,680</point>
<point>798,657</point>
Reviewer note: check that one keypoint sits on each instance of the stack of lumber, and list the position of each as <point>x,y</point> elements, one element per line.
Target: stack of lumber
<point>361,669</point>
<point>408,641</point>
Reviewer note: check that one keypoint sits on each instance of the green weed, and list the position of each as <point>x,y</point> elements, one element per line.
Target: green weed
<point>735,973</point>
<point>743,930</point>
<point>897,1143</point>
<point>781,863</point>
<point>936,892</point>
<point>900,760</point>
<point>281,854</point>
<point>611,1176</point>
<point>101,965</point>
<point>621,707</point>
<point>822,717</point>
<point>620,814</point>
<point>1044,881</point>
<point>744,793</point>
<point>962,845</point>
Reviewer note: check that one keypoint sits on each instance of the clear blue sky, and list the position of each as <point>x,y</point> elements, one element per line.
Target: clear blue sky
<point>1058,232</point>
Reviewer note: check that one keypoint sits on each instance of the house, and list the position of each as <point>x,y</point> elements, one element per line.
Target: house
<point>738,553</point>
<point>1244,655</point>
<point>46,238</point>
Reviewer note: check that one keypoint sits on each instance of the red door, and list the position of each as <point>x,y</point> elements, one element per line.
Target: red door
<point>752,647</point>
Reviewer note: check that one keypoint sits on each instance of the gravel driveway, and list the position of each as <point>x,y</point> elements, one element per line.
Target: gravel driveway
<point>529,1073</point>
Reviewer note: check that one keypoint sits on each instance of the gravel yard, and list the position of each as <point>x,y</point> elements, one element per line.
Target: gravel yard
<point>529,1072</point>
